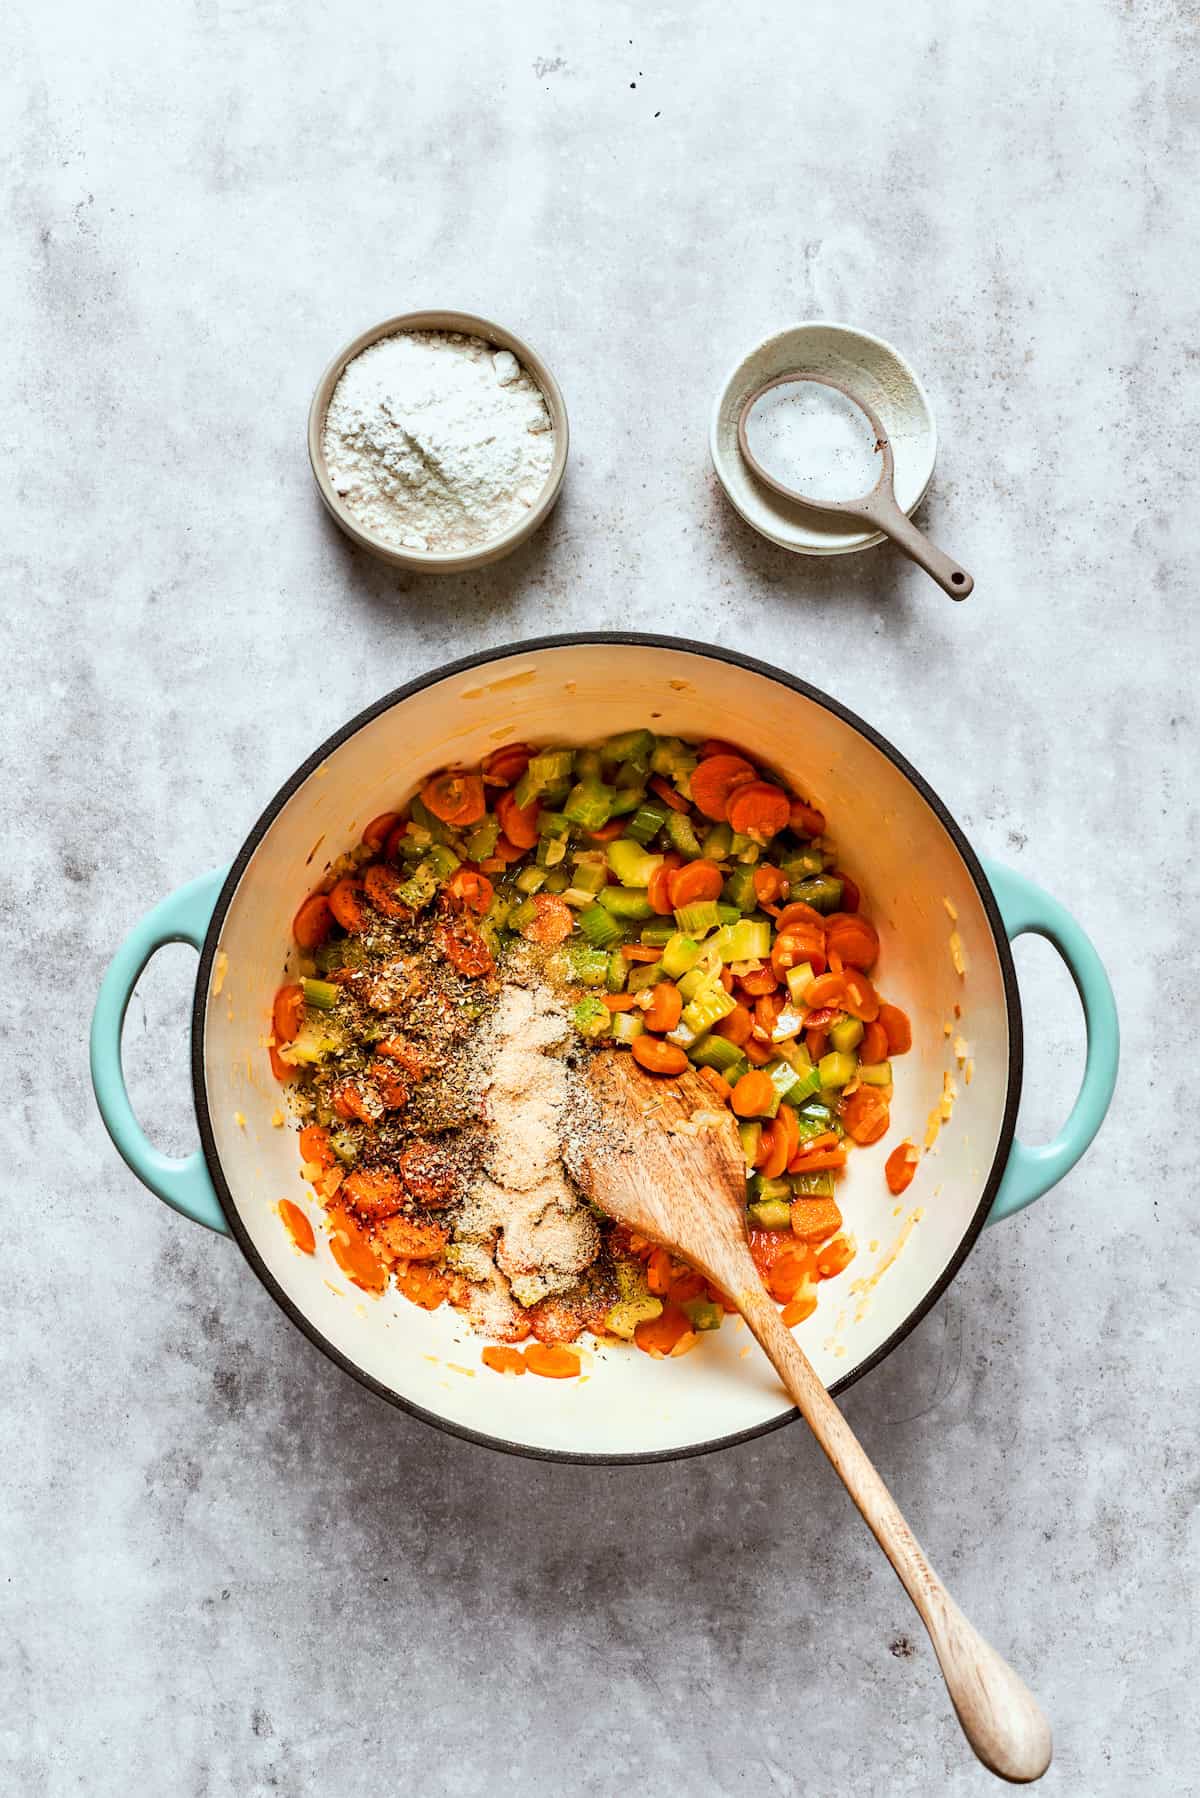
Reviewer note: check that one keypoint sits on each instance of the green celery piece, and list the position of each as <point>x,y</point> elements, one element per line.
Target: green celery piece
<point>698,919</point>
<point>587,965</point>
<point>557,881</point>
<point>813,1186</point>
<point>523,914</point>
<point>822,891</point>
<point>321,993</point>
<point>643,974</point>
<point>618,970</point>
<point>715,1052</point>
<point>815,1111</point>
<point>801,864</point>
<point>681,836</point>
<point>586,764</point>
<point>747,940</point>
<point>846,1034</point>
<point>346,953</point>
<point>799,980</point>
<point>589,803</point>
<point>626,799</point>
<point>421,814</point>
<point>805,1083</point>
<point>739,890</point>
<point>592,1017</point>
<point>770,1214</point>
<point>658,933</point>
<point>672,757</point>
<point>422,883</point>
<point>344,1147</point>
<point>717,843</point>
<point>647,821</point>
<point>768,1190</point>
<point>704,1314</point>
<point>530,880</point>
<point>877,1073</point>
<point>782,1076</point>
<point>707,1009</point>
<point>625,902</point>
<point>632,863</point>
<point>550,852</point>
<point>745,849</point>
<point>600,927</point>
<point>626,1025</point>
<point>628,746</point>
<point>546,773</point>
<point>483,839</point>
<point>750,1132</point>
<point>553,824</point>
<point>680,953</point>
<point>836,1069</point>
<point>627,1314</point>
<point>728,914</point>
<point>589,875</point>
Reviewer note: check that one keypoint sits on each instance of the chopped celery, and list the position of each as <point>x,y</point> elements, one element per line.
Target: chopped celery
<point>348,953</point>
<point>704,1314</point>
<point>877,1073</point>
<point>586,763</point>
<point>426,878</point>
<point>808,1082</point>
<point>799,980</point>
<point>625,902</point>
<point>764,1190</point>
<point>739,889</point>
<point>483,839</point>
<point>550,852</point>
<point>589,803</point>
<point>813,1186</point>
<point>717,843</point>
<point>680,834</point>
<point>553,824</point>
<point>747,940</point>
<point>745,849</point>
<point>822,891</point>
<point>771,1214</point>
<point>835,1069</point>
<point>816,1117</point>
<point>707,1009</point>
<point>728,914</point>
<point>589,875</point>
<point>627,1314</point>
<point>632,863</point>
<point>643,974</point>
<point>679,953</point>
<point>530,880</point>
<point>556,881</point>
<point>698,919</point>
<point>657,933</point>
<point>846,1034</point>
<point>647,821</point>
<point>693,982</point>
<point>618,969</point>
<point>588,966</point>
<point>672,757</point>
<point>522,914</point>
<point>344,1147</point>
<point>600,927</point>
<point>546,773</point>
<point>319,1036</point>
<point>789,1084</point>
<point>321,993</point>
<point>626,1025</point>
<point>800,865</point>
<point>592,1017</point>
<point>629,746</point>
<point>438,832</point>
<point>751,1136</point>
<point>715,1052</point>
<point>626,799</point>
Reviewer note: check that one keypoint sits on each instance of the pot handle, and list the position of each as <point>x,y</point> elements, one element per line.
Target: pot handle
<point>1025,908</point>
<point>183,917</point>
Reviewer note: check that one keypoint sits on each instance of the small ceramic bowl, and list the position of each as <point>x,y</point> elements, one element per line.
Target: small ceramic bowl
<point>866,365</point>
<point>440,561</point>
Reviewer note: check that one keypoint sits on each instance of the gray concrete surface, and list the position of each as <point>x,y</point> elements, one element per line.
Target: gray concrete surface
<point>227,1570</point>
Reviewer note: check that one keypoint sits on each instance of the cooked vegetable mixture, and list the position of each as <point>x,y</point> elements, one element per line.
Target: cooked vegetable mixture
<point>684,905</point>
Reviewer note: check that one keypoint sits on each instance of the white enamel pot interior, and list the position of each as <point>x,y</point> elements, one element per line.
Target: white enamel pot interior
<point>894,837</point>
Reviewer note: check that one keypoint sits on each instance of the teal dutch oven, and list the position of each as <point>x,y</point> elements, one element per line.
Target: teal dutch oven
<point>946,921</point>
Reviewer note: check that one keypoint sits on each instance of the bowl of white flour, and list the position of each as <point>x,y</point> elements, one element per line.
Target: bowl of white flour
<point>438,440</point>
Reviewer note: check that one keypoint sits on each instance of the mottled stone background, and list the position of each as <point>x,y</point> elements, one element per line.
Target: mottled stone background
<point>227,1569</point>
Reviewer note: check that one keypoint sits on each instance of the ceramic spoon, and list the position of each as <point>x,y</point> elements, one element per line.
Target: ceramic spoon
<point>686,1189</point>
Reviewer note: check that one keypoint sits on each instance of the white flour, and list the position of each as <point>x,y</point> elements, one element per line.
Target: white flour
<point>437,441</point>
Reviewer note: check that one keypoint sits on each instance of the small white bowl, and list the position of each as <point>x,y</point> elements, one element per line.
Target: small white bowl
<point>453,561</point>
<point>866,365</point>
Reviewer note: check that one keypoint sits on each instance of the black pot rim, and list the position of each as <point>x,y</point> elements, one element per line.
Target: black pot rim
<point>579,640</point>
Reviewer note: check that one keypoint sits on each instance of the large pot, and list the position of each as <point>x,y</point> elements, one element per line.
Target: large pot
<point>894,835</point>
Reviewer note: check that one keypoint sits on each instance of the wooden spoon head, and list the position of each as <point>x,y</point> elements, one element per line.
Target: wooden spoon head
<point>668,1162</point>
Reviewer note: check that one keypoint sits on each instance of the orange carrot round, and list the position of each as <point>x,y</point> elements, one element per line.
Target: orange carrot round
<point>860,998</point>
<point>657,1056</point>
<point>866,1114</point>
<point>854,938</point>
<point>282,1070</point>
<point>464,948</point>
<point>658,1272</point>
<point>753,1095</point>
<point>714,779</point>
<point>377,832</point>
<point>796,1310</point>
<point>897,1029</point>
<point>552,922</point>
<point>764,981</point>
<point>287,1013</point>
<point>619,1001</point>
<point>503,1360</point>
<point>735,1026</point>
<point>826,989</point>
<point>345,902</point>
<point>519,823</point>
<point>796,913</point>
<point>759,1054</point>
<point>664,1335</point>
<point>504,767</point>
<point>795,946</point>
<point>381,886</point>
<point>835,1256</point>
<point>316,1148</point>
<point>815,1220</point>
<point>665,1008</point>
<point>698,881</point>
<point>313,922</point>
<point>658,888</point>
<point>775,1137</point>
<point>769,884</point>
<point>455,796</point>
<point>298,1227</point>
<point>806,820</point>
<point>758,810</point>
<point>900,1167</point>
<point>470,889</point>
<point>552,1361</point>
<point>874,1046</point>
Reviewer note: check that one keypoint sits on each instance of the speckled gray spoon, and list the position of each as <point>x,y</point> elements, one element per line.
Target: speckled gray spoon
<point>877,508</point>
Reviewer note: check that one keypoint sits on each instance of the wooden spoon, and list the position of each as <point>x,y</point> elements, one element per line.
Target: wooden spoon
<point>667,1162</point>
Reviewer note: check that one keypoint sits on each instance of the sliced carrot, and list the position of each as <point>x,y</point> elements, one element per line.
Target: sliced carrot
<point>834,1257</point>
<point>313,922</point>
<point>519,823</point>
<point>797,913</point>
<point>759,1054</point>
<point>287,1012</point>
<point>814,1220</point>
<point>658,888</point>
<point>619,1001</point>
<point>826,990</point>
<point>372,1193</point>
<point>464,948</point>
<point>409,1239</point>
<point>607,833</point>
<point>298,1227</point>
<point>817,1043</point>
<point>377,832</point>
<point>552,921</point>
<point>658,1272</point>
<point>666,1334</point>
<point>506,851</point>
<point>823,1158</point>
<point>775,1136</point>
<point>758,810</point>
<point>688,1286</point>
<point>455,796</point>
<point>766,1014</point>
<point>896,1028</point>
<point>315,1147</point>
<point>698,881</point>
<point>282,1070</point>
<point>345,902</point>
<point>860,1000</point>
<point>735,1026</point>
<point>640,952</point>
<point>866,1114</point>
<point>798,1309</point>
<point>349,1103</point>
<point>753,1096</point>
<point>767,1247</point>
<point>552,1361</point>
<point>764,981</point>
<point>851,896</point>
<point>718,1082</point>
<point>423,1285</point>
<point>715,778</point>
<point>665,1008</point>
<point>718,746</point>
<point>806,820</point>
<point>827,1140</point>
<point>854,938</point>
<point>790,1273</point>
<point>900,1167</point>
<point>503,1360</point>
<point>793,947</point>
<point>823,1017</point>
<point>394,1091</point>
<point>472,890</point>
<point>504,767</point>
<point>874,1046</point>
<point>401,1051</point>
<point>382,886</point>
<point>789,1122</point>
<point>667,793</point>
<point>727,979</point>
<point>769,884</point>
<point>657,1056</point>
<point>351,1248</point>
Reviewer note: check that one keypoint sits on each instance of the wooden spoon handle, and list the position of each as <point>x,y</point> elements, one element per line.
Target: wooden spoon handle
<point>999,1715</point>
